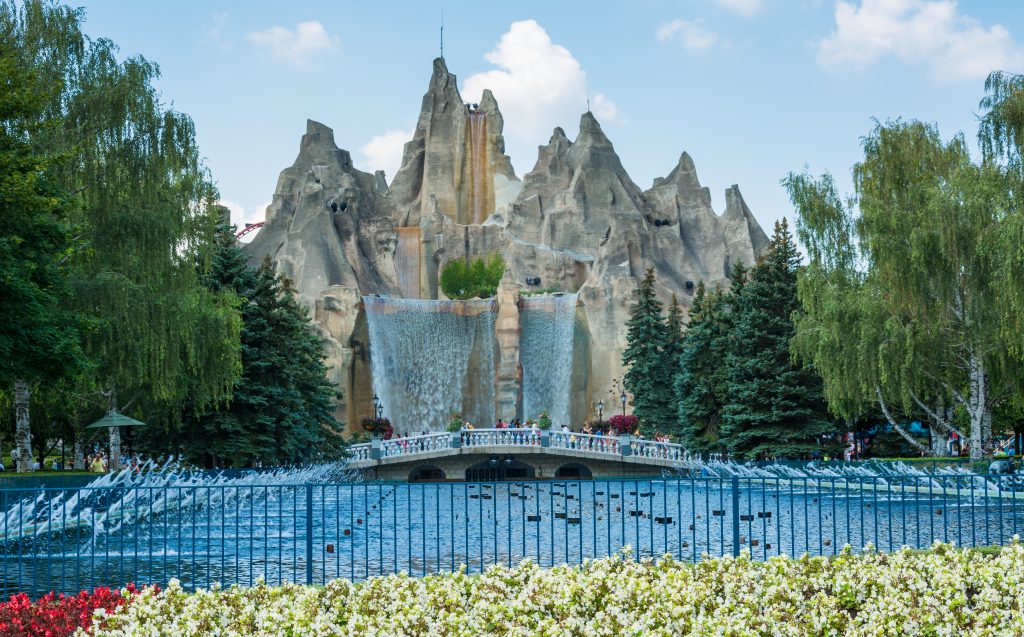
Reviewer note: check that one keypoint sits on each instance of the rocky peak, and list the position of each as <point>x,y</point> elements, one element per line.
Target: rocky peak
<point>456,158</point>
<point>591,133</point>
<point>683,175</point>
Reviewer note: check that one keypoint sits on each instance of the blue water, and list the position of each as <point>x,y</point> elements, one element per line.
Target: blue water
<point>362,530</point>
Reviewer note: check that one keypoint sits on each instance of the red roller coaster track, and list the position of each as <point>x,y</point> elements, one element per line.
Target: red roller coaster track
<point>249,227</point>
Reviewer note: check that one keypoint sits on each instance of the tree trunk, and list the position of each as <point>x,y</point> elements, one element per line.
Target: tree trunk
<point>79,453</point>
<point>900,430</point>
<point>979,411</point>
<point>22,432</point>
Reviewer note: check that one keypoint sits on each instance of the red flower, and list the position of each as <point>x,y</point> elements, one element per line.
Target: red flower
<point>57,615</point>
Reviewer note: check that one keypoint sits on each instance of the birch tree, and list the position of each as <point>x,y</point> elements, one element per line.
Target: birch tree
<point>902,297</point>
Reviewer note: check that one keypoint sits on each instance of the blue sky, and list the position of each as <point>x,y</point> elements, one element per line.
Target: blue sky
<point>752,89</point>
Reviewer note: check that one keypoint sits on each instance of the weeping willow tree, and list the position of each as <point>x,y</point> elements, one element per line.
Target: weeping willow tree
<point>145,219</point>
<point>903,298</point>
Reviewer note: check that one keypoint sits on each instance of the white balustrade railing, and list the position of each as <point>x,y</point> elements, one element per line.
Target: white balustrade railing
<point>416,444</point>
<point>655,449</point>
<point>572,441</point>
<point>359,452</point>
<point>519,437</point>
<point>584,442</point>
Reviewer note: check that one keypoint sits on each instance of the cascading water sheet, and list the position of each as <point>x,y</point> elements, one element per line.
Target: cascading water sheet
<point>431,359</point>
<point>546,354</point>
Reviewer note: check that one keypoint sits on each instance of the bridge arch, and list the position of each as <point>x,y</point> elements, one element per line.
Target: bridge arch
<point>573,470</point>
<point>497,468</point>
<point>426,473</point>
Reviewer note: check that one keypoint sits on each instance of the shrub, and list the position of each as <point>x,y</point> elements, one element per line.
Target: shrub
<point>471,278</point>
<point>544,420</point>
<point>58,615</point>
<point>943,591</point>
<point>456,423</point>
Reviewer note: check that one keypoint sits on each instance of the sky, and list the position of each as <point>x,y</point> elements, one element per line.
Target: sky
<point>751,89</point>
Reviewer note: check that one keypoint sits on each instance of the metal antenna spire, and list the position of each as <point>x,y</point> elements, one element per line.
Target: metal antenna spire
<point>442,33</point>
<point>587,84</point>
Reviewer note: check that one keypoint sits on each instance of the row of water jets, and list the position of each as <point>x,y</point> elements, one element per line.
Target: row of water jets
<point>117,500</point>
<point>881,474</point>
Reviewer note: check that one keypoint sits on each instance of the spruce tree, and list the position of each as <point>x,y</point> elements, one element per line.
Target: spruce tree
<point>671,353</point>
<point>280,410</point>
<point>647,378</point>
<point>698,399</point>
<point>775,406</point>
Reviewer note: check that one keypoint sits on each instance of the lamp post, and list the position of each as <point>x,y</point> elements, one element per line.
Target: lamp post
<point>623,398</point>
<point>600,411</point>
<point>376,406</point>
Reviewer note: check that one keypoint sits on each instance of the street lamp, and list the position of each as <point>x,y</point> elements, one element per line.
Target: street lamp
<point>600,411</point>
<point>622,397</point>
<point>376,406</point>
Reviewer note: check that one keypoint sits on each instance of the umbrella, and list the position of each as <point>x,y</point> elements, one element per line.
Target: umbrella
<point>114,419</point>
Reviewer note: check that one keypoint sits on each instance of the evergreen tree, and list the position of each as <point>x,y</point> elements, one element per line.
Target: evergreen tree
<point>775,406</point>
<point>702,382</point>
<point>671,352</point>
<point>280,410</point>
<point>647,378</point>
<point>698,399</point>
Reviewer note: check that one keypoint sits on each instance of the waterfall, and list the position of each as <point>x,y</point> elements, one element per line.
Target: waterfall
<point>478,159</point>
<point>431,359</point>
<point>407,261</point>
<point>546,354</point>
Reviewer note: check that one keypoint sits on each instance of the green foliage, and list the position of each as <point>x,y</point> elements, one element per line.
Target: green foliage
<point>700,386</point>
<point>649,375</point>
<point>544,420</point>
<point>912,292</point>
<point>472,278</point>
<point>39,339</point>
<point>281,409</point>
<point>1001,131</point>
<point>456,423</point>
<point>143,217</point>
<point>775,405</point>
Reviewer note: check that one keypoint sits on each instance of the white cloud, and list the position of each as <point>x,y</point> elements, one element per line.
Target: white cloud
<point>693,34</point>
<point>538,84</point>
<point>743,7</point>
<point>240,216</point>
<point>931,33</point>
<point>295,46</point>
<point>213,30</point>
<point>384,151</point>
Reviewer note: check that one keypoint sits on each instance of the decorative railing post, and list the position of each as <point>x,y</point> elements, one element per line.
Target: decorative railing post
<point>626,444</point>
<point>309,534</point>
<point>456,439</point>
<point>545,438</point>
<point>735,516</point>
<point>376,447</point>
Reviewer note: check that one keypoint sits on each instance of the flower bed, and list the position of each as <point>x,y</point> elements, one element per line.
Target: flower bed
<point>57,615</point>
<point>943,591</point>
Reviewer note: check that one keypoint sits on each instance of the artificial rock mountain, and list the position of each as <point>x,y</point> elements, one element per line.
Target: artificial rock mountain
<point>576,221</point>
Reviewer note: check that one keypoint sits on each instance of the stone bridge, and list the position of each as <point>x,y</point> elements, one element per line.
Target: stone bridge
<point>513,454</point>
